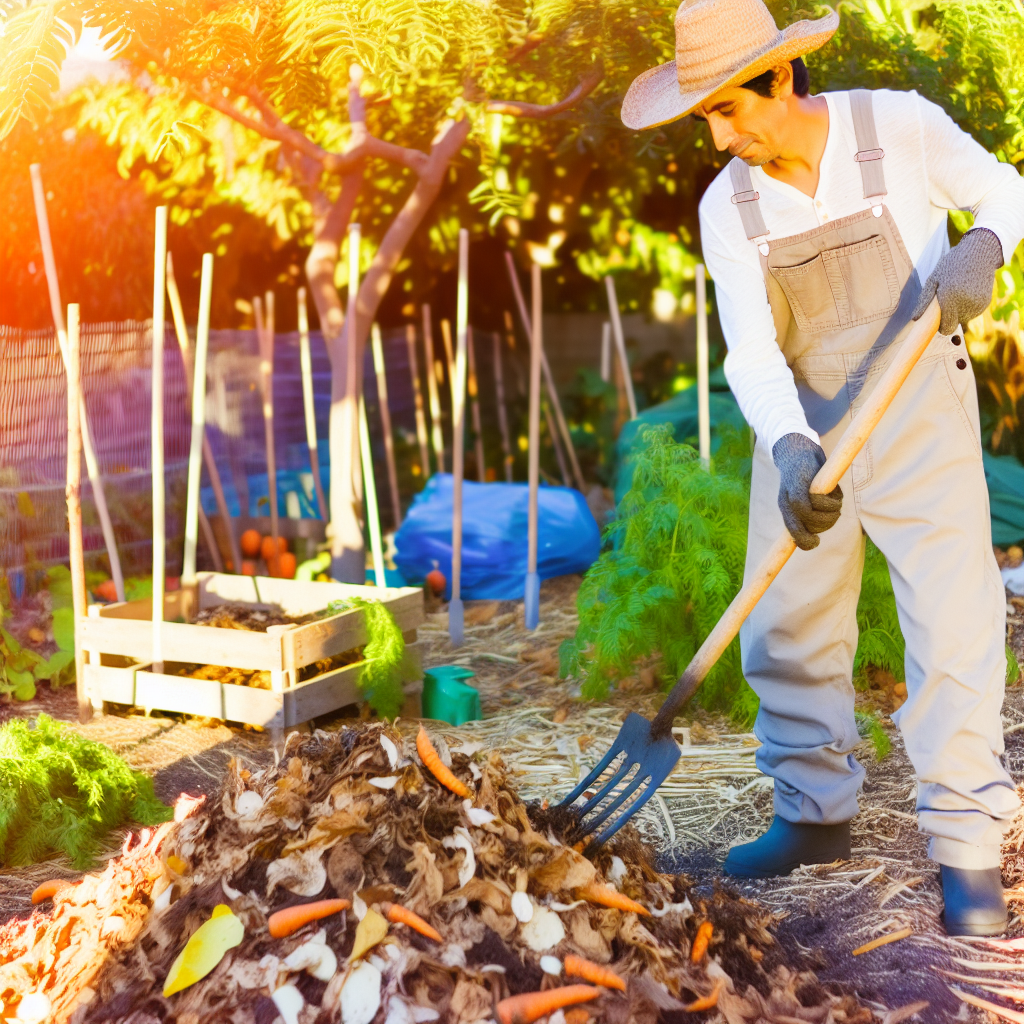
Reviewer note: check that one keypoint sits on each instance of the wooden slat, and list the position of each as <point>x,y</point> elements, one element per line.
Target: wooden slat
<point>176,603</point>
<point>207,645</point>
<point>321,696</point>
<point>113,684</point>
<point>179,693</point>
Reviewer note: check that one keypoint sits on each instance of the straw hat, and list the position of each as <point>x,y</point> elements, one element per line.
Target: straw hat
<point>719,43</point>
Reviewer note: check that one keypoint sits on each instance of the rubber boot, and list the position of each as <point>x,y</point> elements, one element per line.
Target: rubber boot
<point>974,901</point>
<point>785,846</point>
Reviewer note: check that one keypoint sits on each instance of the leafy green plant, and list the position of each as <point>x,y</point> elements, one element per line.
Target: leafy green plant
<point>673,563</point>
<point>62,793</point>
<point>881,641</point>
<point>870,728</point>
<point>384,654</point>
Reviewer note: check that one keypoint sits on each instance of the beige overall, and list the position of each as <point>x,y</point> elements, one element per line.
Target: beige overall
<point>841,297</point>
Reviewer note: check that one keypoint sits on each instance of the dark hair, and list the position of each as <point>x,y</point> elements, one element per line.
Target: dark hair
<point>762,85</point>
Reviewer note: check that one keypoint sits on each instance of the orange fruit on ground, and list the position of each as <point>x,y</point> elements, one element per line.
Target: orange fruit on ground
<point>436,581</point>
<point>287,564</point>
<point>251,543</point>
<point>267,549</point>
<point>106,590</point>
<point>248,567</point>
<point>282,544</point>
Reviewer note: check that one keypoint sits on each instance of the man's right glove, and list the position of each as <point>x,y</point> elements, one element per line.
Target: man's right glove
<point>798,459</point>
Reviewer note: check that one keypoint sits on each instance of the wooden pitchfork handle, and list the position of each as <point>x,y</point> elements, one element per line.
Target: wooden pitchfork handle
<point>824,482</point>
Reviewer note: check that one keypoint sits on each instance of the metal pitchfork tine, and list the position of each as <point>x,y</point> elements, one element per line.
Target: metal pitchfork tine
<point>647,750</point>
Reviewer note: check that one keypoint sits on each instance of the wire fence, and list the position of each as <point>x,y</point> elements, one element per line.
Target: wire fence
<point>116,375</point>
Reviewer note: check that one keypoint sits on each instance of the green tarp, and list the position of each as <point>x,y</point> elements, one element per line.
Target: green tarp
<point>1005,478</point>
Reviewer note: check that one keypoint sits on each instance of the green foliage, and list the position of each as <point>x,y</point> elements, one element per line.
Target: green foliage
<point>1012,667</point>
<point>871,729</point>
<point>384,654</point>
<point>674,561</point>
<point>61,793</point>
<point>881,641</point>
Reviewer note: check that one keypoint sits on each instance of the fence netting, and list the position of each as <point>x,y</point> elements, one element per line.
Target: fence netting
<point>116,375</point>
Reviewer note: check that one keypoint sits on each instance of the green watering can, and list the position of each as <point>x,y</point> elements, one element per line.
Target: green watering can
<point>446,698</point>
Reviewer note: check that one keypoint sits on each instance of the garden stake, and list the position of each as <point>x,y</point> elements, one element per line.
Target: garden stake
<point>92,466</point>
<point>606,352</point>
<point>385,420</point>
<point>531,597</point>
<point>620,343</point>
<point>703,401</point>
<point>563,471</point>
<point>435,401</point>
<point>306,365</point>
<point>499,388</point>
<point>474,399</point>
<point>265,337</point>
<point>370,486</point>
<point>647,750</point>
<point>195,458</point>
<point>455,610</point>
<point>549,381</point>
<point>449,353</point>
<point>157,437</point>
<point>417,394</point>
<point>181,330</point>
<point>76,547</point>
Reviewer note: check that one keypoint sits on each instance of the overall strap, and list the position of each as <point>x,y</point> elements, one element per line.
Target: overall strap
<point>869,153</point>
<point>746,200</point>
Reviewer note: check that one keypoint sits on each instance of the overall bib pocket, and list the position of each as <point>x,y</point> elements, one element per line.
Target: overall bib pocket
<point>844,287</point>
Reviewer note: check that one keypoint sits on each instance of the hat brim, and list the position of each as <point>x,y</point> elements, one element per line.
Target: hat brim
<point>655,99</point>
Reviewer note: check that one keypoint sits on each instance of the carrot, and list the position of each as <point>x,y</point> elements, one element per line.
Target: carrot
<point>606,896</point>
<point>291,919</point>
<point>577,967</point>
<point>403,915</point>
<point>580,1015</point>
<point>531,1006</point>
<point>700,943</point>
<point>443,774</point>
<point>705,1002</point>
<point>47,890</point>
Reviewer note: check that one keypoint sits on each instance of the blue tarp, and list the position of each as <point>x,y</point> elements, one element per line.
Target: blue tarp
<point>494,536</point>
<point>1005,478</point>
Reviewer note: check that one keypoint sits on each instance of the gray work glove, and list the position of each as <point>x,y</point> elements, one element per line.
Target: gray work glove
<point>963,279</point>
<point>804,514</point>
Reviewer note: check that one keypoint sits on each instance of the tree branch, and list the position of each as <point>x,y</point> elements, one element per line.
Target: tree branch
<point>541,111</point>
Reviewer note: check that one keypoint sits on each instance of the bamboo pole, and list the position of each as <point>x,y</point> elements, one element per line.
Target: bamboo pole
<point>449,352</point>
<point>549,380</point>
<point>435,399</point>
<point>76,547</point>
<point>372,510</point>
<point>531,596</point>
<point>92,465</point>
<point>157,437</point>
<point>181,331</point>
<point>559,457</point>
<point>417,394</point>
<point>265,336</point>
<point>308,406</point>
<point>385,420</point>
<point>620,343</point>
<point>499,390</point>
<point>606,352</point>
<point>193,507</point>
<point>474,399</point>
<point>456,630</point>
<point>703,398</point>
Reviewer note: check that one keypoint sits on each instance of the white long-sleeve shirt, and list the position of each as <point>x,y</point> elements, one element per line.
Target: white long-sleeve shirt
<point>931,166</point>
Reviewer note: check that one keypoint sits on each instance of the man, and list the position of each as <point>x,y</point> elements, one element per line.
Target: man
<point>818,235</point>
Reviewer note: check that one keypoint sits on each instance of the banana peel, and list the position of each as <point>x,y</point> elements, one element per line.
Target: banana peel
<point>372,930</point>
<point>206,949</point>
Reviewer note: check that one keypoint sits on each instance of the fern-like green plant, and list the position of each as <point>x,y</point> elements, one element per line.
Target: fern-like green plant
<point>62,793</point>
<point>881,641</point>
<point>384,655</point>
<point>673,562</point>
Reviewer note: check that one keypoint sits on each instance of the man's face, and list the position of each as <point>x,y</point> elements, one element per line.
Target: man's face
<point>747,125</point>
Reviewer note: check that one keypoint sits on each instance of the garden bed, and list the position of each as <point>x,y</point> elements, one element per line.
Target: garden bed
<point>267,654</point>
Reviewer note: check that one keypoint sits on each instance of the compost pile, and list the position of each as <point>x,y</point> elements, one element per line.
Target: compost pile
<point>355,815</point>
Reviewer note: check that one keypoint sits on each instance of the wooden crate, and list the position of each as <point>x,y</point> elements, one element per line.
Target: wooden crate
<point>118,639</point>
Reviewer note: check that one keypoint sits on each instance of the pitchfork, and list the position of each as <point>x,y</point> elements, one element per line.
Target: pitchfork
<point>644,753</point>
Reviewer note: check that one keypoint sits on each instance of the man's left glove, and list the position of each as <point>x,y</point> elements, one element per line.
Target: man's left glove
<point>963,280</point>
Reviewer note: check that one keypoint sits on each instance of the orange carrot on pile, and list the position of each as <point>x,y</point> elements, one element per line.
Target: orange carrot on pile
<point>579,1015</point>
<point>577,967</point>
<point>430,757</point>
<point>531,1006</point>
<point>606,896</point>
<point>705,1002</point>
<point>47,890</point>
<point>402,915</point>
<point>291,919</point>
<point>700,943</point>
